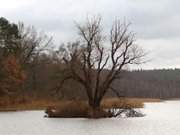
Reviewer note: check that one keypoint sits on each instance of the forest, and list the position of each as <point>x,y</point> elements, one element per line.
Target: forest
<point>31,67</point>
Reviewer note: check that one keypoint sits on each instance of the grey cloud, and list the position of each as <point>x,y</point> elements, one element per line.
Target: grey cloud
<point>150,18</point>
<point>156,23</point>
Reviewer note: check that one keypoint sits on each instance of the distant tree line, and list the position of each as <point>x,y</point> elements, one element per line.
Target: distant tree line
<point>161,83</point>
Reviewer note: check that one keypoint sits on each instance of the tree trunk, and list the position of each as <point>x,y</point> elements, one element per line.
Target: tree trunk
<point>96,104</point>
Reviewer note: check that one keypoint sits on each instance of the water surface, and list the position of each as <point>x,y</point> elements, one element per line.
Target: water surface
<point>161,119</point>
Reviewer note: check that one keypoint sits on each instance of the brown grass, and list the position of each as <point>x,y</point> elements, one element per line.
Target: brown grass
<point>121,103</point>
<point>68,109</point>
<point>26,103</point>
<point>126,102</point>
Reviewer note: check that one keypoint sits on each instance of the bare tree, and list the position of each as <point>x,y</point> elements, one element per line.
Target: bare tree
<point>96,63</point>
<point>32,43</point>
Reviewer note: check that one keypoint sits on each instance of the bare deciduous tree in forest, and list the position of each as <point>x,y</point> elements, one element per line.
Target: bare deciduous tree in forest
<point>32,43</point>
<point>96,63</point>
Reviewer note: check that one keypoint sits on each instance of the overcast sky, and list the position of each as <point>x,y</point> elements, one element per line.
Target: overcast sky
<point>155,22</point>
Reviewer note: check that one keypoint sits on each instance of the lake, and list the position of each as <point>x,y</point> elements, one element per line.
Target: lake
<point>161,119</point>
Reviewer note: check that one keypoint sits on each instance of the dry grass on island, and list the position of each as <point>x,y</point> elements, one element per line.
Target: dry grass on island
<point>20,104</point>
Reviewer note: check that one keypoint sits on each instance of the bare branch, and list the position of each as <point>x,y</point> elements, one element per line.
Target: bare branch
<point>90,58</point>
